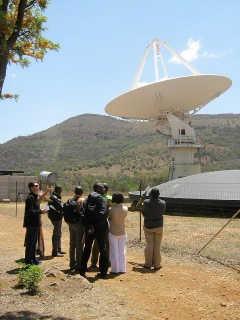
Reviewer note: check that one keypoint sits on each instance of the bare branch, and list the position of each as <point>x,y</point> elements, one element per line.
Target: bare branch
<point>30,4</point>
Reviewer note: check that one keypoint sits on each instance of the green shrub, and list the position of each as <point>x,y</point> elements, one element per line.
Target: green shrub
<point>29,278</point>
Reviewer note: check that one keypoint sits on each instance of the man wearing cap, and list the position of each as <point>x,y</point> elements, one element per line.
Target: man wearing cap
<point>153,209</point>
<point>32,222</point>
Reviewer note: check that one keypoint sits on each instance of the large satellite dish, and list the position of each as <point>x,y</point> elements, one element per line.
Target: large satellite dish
<point>177,96</point>
<point>171,101</point>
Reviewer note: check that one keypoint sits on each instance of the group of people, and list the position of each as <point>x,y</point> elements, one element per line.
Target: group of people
<point>98,229</point>
<point>100,220</point>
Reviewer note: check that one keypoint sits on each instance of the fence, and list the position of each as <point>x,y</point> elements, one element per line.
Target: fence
<point>184,235</point>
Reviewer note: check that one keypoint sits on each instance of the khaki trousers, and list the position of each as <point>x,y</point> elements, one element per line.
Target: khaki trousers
<point>153,238</point>
<point>76,231</point>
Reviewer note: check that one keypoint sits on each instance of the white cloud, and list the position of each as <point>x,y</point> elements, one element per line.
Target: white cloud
<point>14,75</point>
<point>227,51</point>
<point>211,55</point>
<point>191,53</point>
<point>216,55</point>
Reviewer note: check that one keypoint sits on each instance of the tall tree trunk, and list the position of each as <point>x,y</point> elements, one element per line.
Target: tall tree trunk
<point>10,42</point>
<point>3,70</point>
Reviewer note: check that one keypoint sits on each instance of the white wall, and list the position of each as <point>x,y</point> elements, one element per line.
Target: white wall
<point>10,186</point>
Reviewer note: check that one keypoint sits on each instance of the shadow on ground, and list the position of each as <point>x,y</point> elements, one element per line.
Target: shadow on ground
<point>28,315</point>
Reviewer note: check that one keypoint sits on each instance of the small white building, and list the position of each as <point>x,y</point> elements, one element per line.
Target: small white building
<point>14,187</point>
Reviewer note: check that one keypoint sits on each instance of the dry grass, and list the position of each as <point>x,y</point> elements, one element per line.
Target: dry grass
<point>188,287</point>
<point>181,234</point>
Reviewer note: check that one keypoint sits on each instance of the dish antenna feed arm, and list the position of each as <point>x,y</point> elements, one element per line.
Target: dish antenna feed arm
<point>155,46</point>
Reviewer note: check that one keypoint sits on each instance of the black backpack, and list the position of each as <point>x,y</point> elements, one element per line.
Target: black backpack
<point>55,208</point>
<point>70,213</point>
<point>89,212</point>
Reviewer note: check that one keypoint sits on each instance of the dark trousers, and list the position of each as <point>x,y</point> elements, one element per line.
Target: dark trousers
<point>95,251</point>
<point>30,243</point>
<point>100,235</point>
<point>56,236</point>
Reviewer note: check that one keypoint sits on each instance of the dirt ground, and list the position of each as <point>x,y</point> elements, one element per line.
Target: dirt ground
<point>185,288</point>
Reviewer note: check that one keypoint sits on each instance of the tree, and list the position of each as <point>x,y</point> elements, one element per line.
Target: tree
<point>21,29</point>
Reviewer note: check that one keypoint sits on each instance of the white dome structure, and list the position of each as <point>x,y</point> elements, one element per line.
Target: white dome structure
<point>211,193</point>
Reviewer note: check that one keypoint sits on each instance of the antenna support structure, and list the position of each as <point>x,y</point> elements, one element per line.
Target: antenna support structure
<point>171,102</point>
<point>183,143</point>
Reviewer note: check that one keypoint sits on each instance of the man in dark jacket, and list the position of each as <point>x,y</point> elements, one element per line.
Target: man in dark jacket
<point>95,249</point>
<point>153,209</point>
<point>32,223</point>
<point>95,213</point>
<point>55,215</point>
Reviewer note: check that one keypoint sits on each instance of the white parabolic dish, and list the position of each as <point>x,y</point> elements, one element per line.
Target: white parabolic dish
<point>176,95</point>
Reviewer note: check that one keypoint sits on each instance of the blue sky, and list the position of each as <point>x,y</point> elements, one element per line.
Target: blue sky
<point>102,44</point>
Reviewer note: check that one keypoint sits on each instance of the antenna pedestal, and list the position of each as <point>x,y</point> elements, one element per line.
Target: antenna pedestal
<point>182,170</point>
<point>184,147</point>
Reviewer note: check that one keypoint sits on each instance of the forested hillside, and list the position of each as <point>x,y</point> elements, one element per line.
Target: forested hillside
<point>90,146</point>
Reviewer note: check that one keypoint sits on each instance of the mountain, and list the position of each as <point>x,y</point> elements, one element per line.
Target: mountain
<point>100,145</point>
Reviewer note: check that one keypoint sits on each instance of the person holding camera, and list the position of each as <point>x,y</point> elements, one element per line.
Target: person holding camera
<point>94,216</point>
<point>153,209</point>
<point>55,215</point>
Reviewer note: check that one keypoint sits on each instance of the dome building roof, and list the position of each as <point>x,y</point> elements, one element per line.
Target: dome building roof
<point>215,185</point>
<point>211,193</point>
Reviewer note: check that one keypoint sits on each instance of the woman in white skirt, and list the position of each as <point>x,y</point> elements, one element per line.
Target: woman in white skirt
<point>117,234</point>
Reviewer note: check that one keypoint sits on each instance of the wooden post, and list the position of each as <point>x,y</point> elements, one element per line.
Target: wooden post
<point>140,215</point>
<point>16,197</point>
